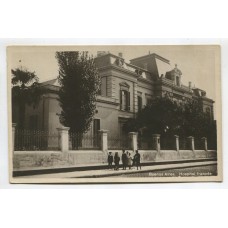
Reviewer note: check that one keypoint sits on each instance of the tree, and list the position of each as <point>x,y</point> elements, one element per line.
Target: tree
<point>25,91</point>
<point>167,118</point>
<point>79,81</point>
<point>159,117</point>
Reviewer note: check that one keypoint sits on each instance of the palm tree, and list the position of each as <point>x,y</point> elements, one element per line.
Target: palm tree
<point>25,91</point>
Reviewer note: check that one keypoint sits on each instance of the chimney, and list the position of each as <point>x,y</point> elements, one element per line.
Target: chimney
<point>190,85</point>
<point>120,54</point>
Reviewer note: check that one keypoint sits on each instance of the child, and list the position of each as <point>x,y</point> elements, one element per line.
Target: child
<point>116,161</point>
<point>110,160</point>
<point>137,158</point>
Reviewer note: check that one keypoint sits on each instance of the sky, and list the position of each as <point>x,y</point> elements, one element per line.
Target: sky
<point>197,63</point>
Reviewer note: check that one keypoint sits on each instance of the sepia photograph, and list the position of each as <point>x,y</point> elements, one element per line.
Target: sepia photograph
<point>114,113</point>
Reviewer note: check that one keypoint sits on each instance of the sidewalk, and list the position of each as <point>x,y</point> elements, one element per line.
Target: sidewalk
<point>107,173</point>
<point>86,167</point>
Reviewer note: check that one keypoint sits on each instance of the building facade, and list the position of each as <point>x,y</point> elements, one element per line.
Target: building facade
<point>125,89</point>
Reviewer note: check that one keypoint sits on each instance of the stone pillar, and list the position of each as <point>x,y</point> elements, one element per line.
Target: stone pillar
<point>64,138</point>
<point>134,141</point>
<point>13,134</point>
<point>156,140</point>
<point>177,142</point>
<point>104,140</point>
<point>191,139</point>
<point>204,139</point>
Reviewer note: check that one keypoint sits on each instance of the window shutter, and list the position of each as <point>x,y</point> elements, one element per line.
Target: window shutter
<point>128,101</point>
<point>139,103</point>
<point>120,99</point>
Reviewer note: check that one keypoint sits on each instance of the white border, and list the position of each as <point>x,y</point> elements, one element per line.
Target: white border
<point>153,207</point>
<point>3,130</point>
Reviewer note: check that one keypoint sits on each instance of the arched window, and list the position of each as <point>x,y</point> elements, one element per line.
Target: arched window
<point>208,111</point>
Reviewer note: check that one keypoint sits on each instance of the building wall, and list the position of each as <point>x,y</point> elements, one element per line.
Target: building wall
<point>54,110</point>
<point>108,115</point>
<point>113,77</point>
<point>146,89</point>
<point>38,112</point>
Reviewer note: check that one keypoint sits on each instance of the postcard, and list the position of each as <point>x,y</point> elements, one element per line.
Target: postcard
<point>114,114</point>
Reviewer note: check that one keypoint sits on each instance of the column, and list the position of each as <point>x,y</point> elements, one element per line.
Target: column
<point>104,140</point>
<point>177,142</point>
<point>156,140</point>
<point>13,134</point>
<point>192,144</point>
<point>64,138</point>
<point>134,141</point>
<point>204,139</point>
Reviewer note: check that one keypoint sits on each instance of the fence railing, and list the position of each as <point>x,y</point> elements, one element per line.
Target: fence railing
<point>146,143</point>
<point>212,144</point>
<point>117,142</point>
<point>184,144</point>
<point>199,144</point>
<point>168,143</point>
<point>87,141</point>
<point>36,140</point>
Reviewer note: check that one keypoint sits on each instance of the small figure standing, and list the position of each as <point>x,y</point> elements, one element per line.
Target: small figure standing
<point>116,161</point>
<point>137,159</point>
<point>110,160</point>
<point>129,160</point>
<point>124,160</point>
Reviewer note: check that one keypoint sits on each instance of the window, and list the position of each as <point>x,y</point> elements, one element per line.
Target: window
<point>96,126</point>
<point>148,101</point>
<point>208,111</point>
<point>124,100</point>
<point>178,81</point>
<point>139,103</point>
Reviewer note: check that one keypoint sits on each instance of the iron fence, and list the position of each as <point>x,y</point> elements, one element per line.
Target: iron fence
<point>199,144</point>
<point>87,141</point>
<point>168,143</point>
<point>212,144</point>
<point>184,144</point>
<point>32,140</point>
<point>145,143</point>
<point>117,142</point>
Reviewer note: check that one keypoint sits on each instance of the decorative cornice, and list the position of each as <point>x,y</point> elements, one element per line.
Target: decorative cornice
<point>124,84</point>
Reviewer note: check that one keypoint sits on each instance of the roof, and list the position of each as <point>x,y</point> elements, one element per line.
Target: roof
<point>53,82</point>
<point>151,55</point>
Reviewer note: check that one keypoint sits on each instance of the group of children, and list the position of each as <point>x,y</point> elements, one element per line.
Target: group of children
<point>127,160</point>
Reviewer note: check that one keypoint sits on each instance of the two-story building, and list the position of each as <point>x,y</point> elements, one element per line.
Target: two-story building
<point>125,89</point>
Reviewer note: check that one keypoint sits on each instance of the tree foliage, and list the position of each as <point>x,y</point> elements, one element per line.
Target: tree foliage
<point>79,81</point>
<point>25,91</point>
<point>165,117</point>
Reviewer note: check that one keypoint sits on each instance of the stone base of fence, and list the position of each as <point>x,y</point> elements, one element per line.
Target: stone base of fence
<point>26,160</point>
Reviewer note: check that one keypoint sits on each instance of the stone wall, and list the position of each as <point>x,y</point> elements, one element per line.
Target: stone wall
<point>25,160</point>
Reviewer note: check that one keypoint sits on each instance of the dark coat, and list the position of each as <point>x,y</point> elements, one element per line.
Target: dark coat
<point>110,158</point>
<point>116,159</point>
<point>137,158</point>
<point>124,158</point>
